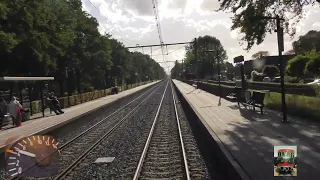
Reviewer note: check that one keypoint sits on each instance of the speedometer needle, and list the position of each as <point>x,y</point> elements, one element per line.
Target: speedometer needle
<point>27,153</point>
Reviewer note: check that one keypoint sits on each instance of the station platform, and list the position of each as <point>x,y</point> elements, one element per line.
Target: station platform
<point>46,124</point>
<point>248,138</point>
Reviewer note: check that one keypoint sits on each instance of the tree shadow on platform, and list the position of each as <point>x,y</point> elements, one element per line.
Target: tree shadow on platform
<point>255,146</point>
<point>307,133</point>
<point>266,130</point>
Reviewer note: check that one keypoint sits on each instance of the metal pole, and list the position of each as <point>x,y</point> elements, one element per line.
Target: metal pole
<point>30,99</point>
<point>42,103</point>
<point>281,48</point>
<point>68,88</point>
<point>218,63</point>
<point>196,55</point>
<point>20,93</point>
<point>182,64</point>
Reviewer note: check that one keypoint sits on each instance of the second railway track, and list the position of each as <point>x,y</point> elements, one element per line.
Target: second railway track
<point>72,149</point>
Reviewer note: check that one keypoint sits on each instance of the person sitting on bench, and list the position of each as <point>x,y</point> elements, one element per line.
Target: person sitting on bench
<point>54,103</point>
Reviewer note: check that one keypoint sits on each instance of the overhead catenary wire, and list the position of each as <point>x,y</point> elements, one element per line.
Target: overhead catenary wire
<point>156,13</point>
<point>170,52</point>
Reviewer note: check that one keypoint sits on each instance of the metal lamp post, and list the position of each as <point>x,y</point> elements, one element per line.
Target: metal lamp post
<point>279,31</point>
<point>218,66</point>
<point>136,78</point>
<point>68,88</point>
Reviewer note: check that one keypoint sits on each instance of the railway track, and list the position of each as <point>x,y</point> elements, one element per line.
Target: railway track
<point>73,151</point>
<point>67,172</point>
<point>164,155</point>
<point>152,141</point>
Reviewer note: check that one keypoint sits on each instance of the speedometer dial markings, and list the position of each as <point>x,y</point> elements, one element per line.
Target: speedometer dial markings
<point>32,157</point>
<point>12,169</point>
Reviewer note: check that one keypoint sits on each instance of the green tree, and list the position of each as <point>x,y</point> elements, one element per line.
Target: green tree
<point>260,54</point>
<point>207,62</point>
<point>176,71</point>
<point>307,42</point>
<point>247,16</point>
<point>296,66</point>
<point>57,38</point>
<point>313,66</point>
<point>270,71</point>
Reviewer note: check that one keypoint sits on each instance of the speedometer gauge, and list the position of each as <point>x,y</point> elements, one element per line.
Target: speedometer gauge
<point>34,156</point>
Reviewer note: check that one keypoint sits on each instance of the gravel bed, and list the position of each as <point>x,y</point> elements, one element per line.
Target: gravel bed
<point>196,163</point>
<point>71,152</point>
<point>122,144</point>
<point>164,156</point>
<point>69,131</point>
<point>66,133</point>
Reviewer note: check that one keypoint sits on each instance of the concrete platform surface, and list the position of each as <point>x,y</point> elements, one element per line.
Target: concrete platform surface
<point>250,137</point>
<point>45,124</point>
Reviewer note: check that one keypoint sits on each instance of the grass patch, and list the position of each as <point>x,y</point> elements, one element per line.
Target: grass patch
<point>301,106</point>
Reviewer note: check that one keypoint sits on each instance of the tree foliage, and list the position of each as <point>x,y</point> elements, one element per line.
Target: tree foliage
<point>296,65</point>
<point>256,76</point>
<point>46,37</point>
<point>307,42</point>
<point>306,64</point>
<point>260,54</point>
<point>176,71</point>
<point>271,71</point>
<point>203,56</point>
<point>248,16</point>
<point>313,66</point>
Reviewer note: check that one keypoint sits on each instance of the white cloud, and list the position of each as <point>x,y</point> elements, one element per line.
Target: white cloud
<point>181,21</point>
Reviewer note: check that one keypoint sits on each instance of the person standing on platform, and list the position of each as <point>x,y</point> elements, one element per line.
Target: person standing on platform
<point>3,107</point>
<point>3,110</point>
<point>15,109</point>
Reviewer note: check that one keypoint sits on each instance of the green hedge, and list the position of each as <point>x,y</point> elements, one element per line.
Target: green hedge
<point>297,105</point>
<point>84,97</point>
<point>291,88</point>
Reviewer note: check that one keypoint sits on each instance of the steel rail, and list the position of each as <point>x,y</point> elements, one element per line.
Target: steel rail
<point>180,135</point>
<point>95,125</point>
<point>146,147</point>
<point>99,141</point>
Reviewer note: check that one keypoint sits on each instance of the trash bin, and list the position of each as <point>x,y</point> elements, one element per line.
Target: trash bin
<point>26,115</point>
<point>114,90</point>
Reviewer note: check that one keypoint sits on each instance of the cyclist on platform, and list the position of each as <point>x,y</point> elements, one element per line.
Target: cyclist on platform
<point>54,102</point>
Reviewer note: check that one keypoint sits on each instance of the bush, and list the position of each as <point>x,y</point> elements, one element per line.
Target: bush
<point>297,65</point>
<point>256,76</point>
<point>270,71</point>
<point>291,79</point>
